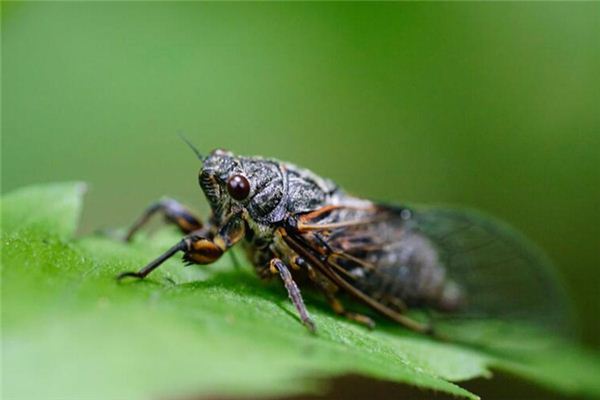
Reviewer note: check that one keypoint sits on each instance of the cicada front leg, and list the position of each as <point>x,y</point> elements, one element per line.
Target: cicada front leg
<point>174,213</point>
<point>199,247</point>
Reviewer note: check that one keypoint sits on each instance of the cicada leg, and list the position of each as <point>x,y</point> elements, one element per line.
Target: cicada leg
<point>300,245</point>
<point>174,213</point>
<point>329,290</point>
<point>276,266</point>
<point>198,249</point>
<point>142,273</point>
<point>339,309</point>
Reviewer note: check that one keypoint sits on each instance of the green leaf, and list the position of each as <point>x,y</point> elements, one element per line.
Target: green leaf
<point>69,330</point>
<point>51,209</point>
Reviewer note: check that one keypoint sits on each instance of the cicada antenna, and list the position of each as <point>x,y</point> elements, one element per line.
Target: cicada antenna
<point>194,148</point>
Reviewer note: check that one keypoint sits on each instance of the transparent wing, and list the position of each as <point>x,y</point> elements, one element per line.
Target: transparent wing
<point>503,274</point>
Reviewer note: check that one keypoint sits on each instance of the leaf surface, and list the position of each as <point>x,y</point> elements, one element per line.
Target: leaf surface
<point>69,330</point>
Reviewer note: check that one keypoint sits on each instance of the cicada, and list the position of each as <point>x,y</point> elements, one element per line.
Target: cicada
<point>300,227</point>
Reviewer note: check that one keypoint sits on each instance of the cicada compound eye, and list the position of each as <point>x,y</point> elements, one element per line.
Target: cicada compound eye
<point>238,187</point>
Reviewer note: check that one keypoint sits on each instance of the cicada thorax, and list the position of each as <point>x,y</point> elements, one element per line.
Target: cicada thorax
<point>378,252</point>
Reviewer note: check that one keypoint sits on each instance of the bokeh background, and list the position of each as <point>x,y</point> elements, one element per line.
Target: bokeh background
<point>492,106</point>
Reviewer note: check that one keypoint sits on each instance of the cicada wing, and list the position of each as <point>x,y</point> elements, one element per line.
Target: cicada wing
<point>396,258</point>
<point>503,275</point>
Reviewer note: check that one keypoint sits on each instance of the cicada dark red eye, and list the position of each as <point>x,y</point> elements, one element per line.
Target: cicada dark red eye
<point>238,187</point>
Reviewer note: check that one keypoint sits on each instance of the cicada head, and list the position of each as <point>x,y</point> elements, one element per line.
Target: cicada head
<point>233,184</point>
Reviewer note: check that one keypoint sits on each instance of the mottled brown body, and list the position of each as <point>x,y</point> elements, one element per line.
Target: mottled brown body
<point>385,257</point>
<point>293,222</point>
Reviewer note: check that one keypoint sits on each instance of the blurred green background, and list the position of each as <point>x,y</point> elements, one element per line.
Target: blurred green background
<point>492,106</point>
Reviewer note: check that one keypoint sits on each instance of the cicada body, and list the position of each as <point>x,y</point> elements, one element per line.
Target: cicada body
<point>392,258</point>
